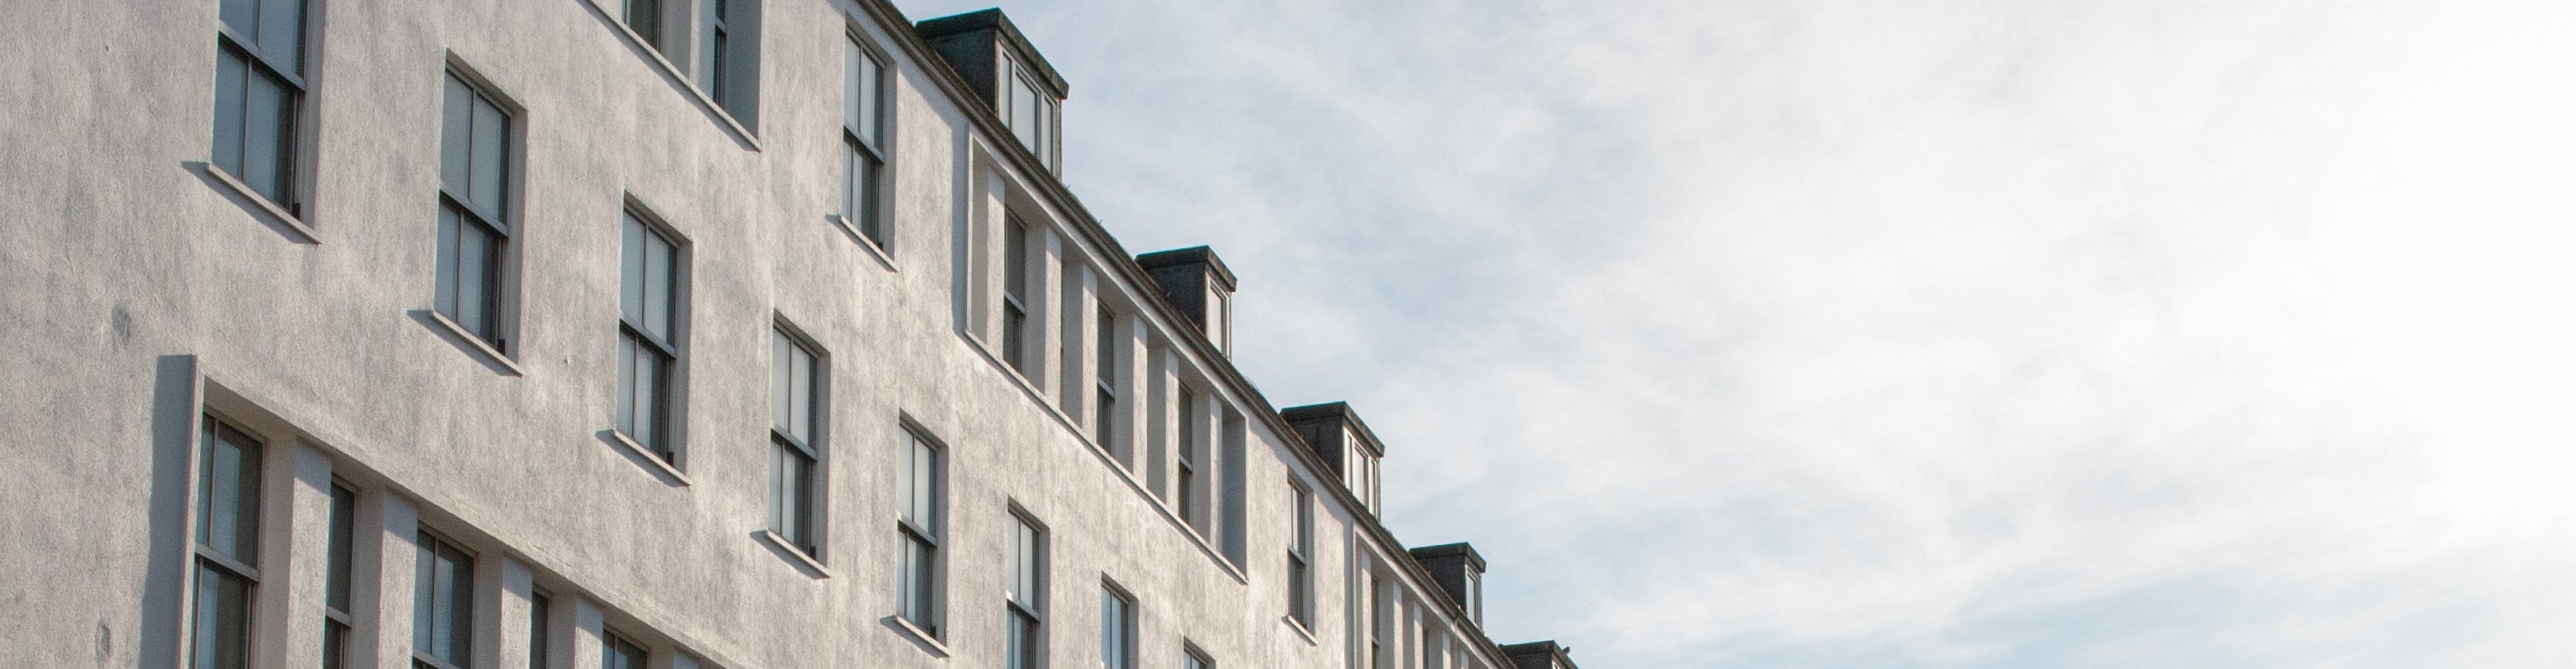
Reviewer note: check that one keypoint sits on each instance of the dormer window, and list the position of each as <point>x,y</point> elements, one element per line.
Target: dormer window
<point>1362,472</point>
<point>1031,115</point>
<point>1007,72</point>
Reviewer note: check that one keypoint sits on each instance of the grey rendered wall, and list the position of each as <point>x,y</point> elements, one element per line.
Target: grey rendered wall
<point>131,281</point>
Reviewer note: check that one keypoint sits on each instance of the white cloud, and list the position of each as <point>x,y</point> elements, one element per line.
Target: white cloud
<point>1992,333</point>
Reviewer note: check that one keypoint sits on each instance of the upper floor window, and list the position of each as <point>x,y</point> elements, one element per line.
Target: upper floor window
<point>1031,114</point>
<point>863,87</point>
<point>1301,548</point>
<point>1185,487</point>
<point>1105,399</point>
<point>259,95</point>
<point>729,56</point>
<point>619,652</point>
<point>341,557</point>
<point>1360,471</point>
<point>645,18</point>
<point>722,59</point>
<point>540,630</point>
<point>1015,294</point>
<point>1026,648</point>
<point>442,626</point>
<point>1117,629</point>
<point>227,546</point>
<point>1193,658</point>
<point>794,412</point>
<point>473,212</point>
<point>918,490</point>
<point>648,350</point>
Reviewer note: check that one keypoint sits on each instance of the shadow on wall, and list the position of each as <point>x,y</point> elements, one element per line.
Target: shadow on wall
<point>174,420</point>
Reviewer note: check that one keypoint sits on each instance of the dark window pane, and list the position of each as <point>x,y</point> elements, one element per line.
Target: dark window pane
<point>645,16</point>
<point>859,194</point>
<point>443,602</point>
<point>799,499</point>
<point>660,261</point>
<point>619,653</point>
<point>780,387</point>
<point>242,16</point>
<point>490,149</point>
<point>450,225</point>
<point>474,274</point>
<point>335,645</point>
<point>540,636</point>
<point>1108,406</point>
<point>800,397</point>
<point>344,511</point>
<point>270,118</point>
<point>231,88</point>
<point>630,294</point>
<point>649,371</point>
<point>281,33</point>
<point>223,620</point>
<point>456,134</point>
<point>228,493</point>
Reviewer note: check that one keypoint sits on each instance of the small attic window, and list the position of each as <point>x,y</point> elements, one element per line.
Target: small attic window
<point>1031,113</point>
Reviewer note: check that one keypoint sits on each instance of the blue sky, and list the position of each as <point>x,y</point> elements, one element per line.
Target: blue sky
<point>1971,333</point>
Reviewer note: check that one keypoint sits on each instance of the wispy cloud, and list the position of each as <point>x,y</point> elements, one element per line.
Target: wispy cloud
<point>1847,333</point>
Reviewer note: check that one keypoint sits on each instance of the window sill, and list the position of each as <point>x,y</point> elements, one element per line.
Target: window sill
<point>1302,632</point>
<point>874,250</point>
<point>670,475</point>
<point>470,340</point>
<point>663,63</point>
<point>275,211</point>
<point>929,644</point>
<point>803,560</point>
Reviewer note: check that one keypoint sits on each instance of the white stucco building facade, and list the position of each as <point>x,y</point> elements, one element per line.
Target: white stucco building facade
<point>740,334</point>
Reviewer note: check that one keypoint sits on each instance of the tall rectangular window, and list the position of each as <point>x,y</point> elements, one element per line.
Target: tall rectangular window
<point>1301,545</point>
<point>1106,402</point>
<point>1193,658</point>
<point>1028,586</point>
<point>1376,615</point>
<point>863,129</point>
<point>648,342</point>
<point>473,209</point>
<point>540,635</point>
<point>227,546</point>
<point>718,37</point>
<point>1117,629</point>
<point>442,621</point>
<point>728,57</point>
<point>1186,487</point>
<point>917,485</point>
<point>1015,292</point>
<point>618,652</point>
<point>645,18</point>
<point>259,92</point>
<point>335,581</point>
<point>794,415</point>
